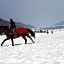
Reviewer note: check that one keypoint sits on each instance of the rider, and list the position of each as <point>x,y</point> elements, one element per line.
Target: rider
<point>13,26</point>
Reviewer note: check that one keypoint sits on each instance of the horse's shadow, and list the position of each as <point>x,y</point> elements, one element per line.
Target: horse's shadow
<point>21,44</point>
<point>29,43</point>
<point>14,45</point>
<point>17,44</point>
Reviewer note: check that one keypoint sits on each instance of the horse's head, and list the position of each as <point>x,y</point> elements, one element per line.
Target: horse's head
<point>4,29</point>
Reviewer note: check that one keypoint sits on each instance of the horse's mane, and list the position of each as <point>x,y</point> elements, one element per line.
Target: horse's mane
<point>4,26</point>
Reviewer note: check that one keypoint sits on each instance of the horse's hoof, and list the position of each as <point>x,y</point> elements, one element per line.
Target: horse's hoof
<point>33,42</point>
<point>1,44</point>
<point>12,45</point>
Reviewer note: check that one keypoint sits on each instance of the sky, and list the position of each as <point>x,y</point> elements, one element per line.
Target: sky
<point>39,13</point>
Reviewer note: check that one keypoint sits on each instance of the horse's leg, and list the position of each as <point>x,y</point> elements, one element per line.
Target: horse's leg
<point>24,39</point>
<point>4,41</point>
<point>30,38</point>
<point>12,41</point>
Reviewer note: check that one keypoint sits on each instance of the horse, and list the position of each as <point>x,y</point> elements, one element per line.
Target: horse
<point>21,31</point>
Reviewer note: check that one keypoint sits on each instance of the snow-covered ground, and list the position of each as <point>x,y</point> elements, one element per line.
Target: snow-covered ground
<point>47,49</point>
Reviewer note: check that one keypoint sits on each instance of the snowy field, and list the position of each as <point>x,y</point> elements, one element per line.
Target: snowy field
<point>47,49</point>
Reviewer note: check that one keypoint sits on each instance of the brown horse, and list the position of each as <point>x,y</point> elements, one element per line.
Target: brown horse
<point>18,32</point>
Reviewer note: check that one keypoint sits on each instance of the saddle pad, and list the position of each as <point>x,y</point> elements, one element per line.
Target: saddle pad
<point>21,30</point>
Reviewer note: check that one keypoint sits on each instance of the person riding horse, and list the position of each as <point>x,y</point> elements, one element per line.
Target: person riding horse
<point>13,32</point>
<point>13,26</point>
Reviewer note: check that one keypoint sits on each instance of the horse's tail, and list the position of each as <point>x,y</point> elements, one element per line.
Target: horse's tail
<point>31,32</point>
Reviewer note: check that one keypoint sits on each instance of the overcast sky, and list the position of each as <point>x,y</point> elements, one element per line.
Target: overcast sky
<point>40,13</point>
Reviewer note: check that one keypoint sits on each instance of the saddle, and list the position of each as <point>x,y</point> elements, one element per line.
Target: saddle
<point>12,32</point>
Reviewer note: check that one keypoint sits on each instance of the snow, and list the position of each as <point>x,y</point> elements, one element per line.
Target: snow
<point>47,49</point>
